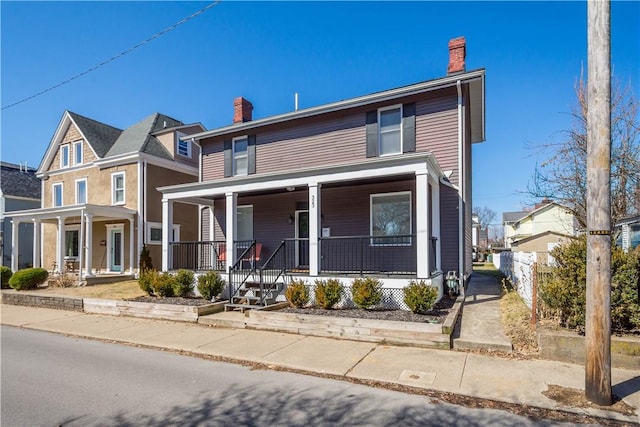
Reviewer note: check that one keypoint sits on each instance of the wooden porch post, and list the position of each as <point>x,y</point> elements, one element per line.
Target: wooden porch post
<point>167,221</point>
<point>423,241</point>
<point>88,245</point>
<point>231,218</point>
<point>132,255</point>
<point>314,226</point>
<point>37,259</point>
<point>60,244</point>
<point>15,245</point>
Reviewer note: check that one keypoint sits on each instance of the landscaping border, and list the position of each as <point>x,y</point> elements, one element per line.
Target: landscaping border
<point>57,302</point>
<point>148,310</point>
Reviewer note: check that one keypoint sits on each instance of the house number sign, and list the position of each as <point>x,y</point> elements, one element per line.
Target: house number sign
<point>313,201</point>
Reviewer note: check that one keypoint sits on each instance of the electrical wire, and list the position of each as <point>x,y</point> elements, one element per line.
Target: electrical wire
<point>121,54</point>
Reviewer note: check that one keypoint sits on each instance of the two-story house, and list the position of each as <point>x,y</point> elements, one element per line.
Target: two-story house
<point>99,199</point>
<point>374,185</point>
<point>19,190</point>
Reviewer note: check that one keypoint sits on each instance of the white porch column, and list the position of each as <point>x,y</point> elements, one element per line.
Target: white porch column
<point>314,229</point>
<point>15,245</point>
<point>231,217</point>
<point>435,204</point>
<point>88,245</point>
<point>132,256</point>
<point>60,244</point>
<point>37,260</point>
<point>81,250</point>
<point>167,221</point>
<point>211,236</point>
<point>423,241</point>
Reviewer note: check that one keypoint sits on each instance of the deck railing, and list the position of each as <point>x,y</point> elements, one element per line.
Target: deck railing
<point>198,256</point>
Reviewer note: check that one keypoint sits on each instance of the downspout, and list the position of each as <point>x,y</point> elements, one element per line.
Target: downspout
<point>460,186</point>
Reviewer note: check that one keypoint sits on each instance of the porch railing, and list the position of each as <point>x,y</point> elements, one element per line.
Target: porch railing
<point>243,267</point>
<point>390,255</point>
<point>198,256</point>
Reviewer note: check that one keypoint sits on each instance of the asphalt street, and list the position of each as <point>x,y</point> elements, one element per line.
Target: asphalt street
<point>54,380</point>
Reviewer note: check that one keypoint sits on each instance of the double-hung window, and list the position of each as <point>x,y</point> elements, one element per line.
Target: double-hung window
<point>81,191</point>
<point>117,188</point>
<point>391,218</point>
<point>77,153</point>
<point>240,156</point>
<point>154,233</point>
<point>57,194</point>
<point>64,156</point>
<point>390,120</point>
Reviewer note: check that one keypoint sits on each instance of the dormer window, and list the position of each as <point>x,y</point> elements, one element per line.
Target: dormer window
<point>77,153</point>
<point>184,147</point>
<point>64,156</point>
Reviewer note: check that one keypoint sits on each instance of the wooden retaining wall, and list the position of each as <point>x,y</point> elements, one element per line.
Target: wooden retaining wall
<point>181,313</point>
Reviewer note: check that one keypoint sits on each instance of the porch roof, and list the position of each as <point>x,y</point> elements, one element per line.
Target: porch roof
<point>203,192</point>
<point>99,212</point>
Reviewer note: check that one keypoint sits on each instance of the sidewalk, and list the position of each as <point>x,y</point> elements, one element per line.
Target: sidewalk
<point>505,380</point>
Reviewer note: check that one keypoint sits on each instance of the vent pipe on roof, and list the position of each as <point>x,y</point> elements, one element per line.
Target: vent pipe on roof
<point>295,102</point>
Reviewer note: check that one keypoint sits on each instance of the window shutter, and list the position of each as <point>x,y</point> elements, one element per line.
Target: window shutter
<point>409,128</point>
<point>228,158</point>
<point>251,155</point>
<point>372,133</point>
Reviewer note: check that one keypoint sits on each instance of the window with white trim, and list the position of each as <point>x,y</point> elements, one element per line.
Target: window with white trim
<point>77,153</point>
<point>240,155</point>
<point>154,233</point>
<point>81,191</point>
<point>72,242</point>
<point>390,217</point>
<point>117,188</point>
<point>390,130</point>
<point>184,147</point>
<point>57,194</point>
<point>244,222</point>
<point>64,156</point>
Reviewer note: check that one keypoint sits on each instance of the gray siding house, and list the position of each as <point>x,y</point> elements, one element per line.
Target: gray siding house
<point>377,185</point>
<point>19,189</point>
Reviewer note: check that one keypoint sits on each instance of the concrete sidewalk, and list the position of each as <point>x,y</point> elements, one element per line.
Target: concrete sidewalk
<point>506,380</point>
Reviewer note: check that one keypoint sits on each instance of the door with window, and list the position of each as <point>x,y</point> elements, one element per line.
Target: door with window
<point>115,248</point>
<point>302,239</point>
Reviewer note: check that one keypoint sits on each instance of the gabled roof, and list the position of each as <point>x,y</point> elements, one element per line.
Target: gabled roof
<point>513,216</point>
<point>139,138</point>
<point>99,136</point>
<point>537,236</point>
<point>19,181</point>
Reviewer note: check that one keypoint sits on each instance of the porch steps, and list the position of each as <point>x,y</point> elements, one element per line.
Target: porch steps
<point>249,296</point>
<point>241,307</point>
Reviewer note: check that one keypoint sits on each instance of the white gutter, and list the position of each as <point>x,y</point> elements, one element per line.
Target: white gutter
<point>460,186</point>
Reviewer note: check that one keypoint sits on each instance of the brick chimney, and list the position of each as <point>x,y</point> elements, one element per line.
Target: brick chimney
<point>457,54</point>
<point>242,110</point>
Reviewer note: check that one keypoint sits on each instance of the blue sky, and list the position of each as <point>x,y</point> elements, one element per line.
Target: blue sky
<point>325,51</point>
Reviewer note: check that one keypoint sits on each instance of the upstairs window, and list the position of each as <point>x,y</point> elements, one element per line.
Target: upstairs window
<point>64,156</point>
<point>57,194</point>
<point>81,191</point>
<point>117,188</point>
<point>184,147</point>
<point>240,156</point>
<point>390,138</point>
<point>77,153</point>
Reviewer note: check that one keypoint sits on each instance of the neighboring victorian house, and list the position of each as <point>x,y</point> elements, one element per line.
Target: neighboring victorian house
<point>99,197</point>
<point>374,185</point>
<point>540,229</point>
<point>19,189</point>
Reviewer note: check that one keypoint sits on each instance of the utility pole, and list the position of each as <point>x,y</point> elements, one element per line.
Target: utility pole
<point>598,315</point>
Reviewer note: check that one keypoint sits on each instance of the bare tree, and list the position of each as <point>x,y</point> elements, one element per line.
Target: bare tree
<point>562,176</point>
<point>485,216</point>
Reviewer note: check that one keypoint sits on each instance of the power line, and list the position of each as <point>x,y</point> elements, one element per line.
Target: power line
<point>121,54</point>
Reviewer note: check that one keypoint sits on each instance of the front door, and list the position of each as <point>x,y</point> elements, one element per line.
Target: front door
<point>115,249</point>
<point>302,236</point>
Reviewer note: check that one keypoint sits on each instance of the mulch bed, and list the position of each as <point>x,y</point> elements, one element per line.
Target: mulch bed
<point>193,301</point>
<point>436,315</point>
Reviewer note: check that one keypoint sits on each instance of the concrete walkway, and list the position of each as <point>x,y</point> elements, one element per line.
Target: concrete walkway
<point>480,326</point>
<point>475,375</point>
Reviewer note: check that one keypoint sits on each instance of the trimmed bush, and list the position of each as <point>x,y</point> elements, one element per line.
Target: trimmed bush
<point>625,289</point>
<point>5,274</point>
<point>145,260</point>
<point>183,283</point>
<point>28,278</point>
<point>163,285</point>
<point>366,292</point>
<point>146,280</point>
<point>419,296</point>
<point>297,293</point>
<point>210,285</point>
<point>328,292</point>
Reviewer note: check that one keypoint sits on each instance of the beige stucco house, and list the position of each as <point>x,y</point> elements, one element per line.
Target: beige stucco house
<point>99,200</point>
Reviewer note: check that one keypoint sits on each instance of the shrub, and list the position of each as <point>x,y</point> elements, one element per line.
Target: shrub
<point>366,292</point>
<point>146,280</point>
<point>163,285</point>
<point>183,283</point>
<point>297,293</point>
<point>145,260</point>
<point>419,296</point>
<point>328,292</point>
<point>28,278</point>
<point>210,285</point>
<point>625,289</point>
<point>64,281</point>
<point>5,274</point>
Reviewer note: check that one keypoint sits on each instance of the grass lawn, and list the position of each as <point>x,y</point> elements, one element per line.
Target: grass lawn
<point>487,268</point>
<point>116,291</point>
